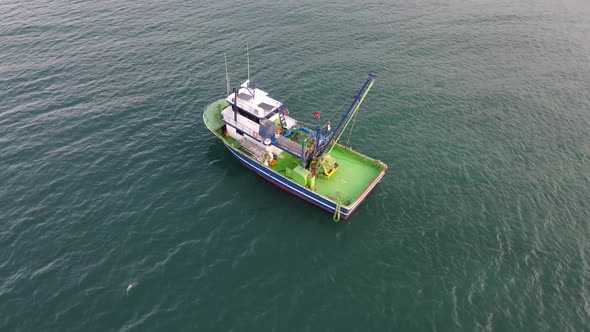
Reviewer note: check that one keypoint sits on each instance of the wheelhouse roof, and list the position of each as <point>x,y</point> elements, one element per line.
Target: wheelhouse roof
<point>256,101</point>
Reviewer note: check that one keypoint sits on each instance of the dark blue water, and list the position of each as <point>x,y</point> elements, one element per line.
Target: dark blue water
<point>119,211</point>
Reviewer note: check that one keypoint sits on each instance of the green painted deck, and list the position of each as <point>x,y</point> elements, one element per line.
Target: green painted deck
<point>354,174</point>
<point>212,116</point>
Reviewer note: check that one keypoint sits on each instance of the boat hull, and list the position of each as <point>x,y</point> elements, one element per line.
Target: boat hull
<point>301,191</point>
<point>330,201</point>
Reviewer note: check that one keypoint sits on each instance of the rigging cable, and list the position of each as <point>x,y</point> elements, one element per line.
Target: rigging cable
<point>351,128</point>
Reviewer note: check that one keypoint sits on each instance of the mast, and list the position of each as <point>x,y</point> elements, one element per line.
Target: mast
<point>226,76</point>
<point>251,86</point>
<point>248,58</point>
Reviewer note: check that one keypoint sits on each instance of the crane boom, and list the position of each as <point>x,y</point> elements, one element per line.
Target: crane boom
<point>352,110</point>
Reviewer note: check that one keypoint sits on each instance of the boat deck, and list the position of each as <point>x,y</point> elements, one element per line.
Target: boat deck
<point>254,148</point>
<point>353,176</point>
<point>212,115</point>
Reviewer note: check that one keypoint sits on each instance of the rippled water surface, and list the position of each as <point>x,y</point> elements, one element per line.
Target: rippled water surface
<point>119,211</point>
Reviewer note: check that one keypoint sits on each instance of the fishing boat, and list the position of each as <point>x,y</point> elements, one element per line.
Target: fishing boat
<point>305,160</point>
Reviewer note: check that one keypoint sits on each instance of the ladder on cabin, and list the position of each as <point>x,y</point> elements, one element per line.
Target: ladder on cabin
<point>282,118</point>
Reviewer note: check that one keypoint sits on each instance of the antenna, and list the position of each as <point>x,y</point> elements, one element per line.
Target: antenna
<point>226,74</point>
<point>248,56</point>
<point>251,82</point>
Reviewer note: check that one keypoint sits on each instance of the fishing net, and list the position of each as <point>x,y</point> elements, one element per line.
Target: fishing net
<point>326,161</point>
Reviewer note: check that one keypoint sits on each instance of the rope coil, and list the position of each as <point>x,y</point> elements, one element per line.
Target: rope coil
<point>336,216</point>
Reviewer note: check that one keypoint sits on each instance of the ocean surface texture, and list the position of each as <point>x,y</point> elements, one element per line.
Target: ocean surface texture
<point>119,211</point>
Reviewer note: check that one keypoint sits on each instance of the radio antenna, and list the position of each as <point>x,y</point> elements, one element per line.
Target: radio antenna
<point>226,75</point>
<point>248,56</point>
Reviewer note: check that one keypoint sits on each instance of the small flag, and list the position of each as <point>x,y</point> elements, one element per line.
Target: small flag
<point>316,114</point>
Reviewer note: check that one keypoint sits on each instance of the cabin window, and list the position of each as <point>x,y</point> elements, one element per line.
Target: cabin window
<point>248,116</point>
